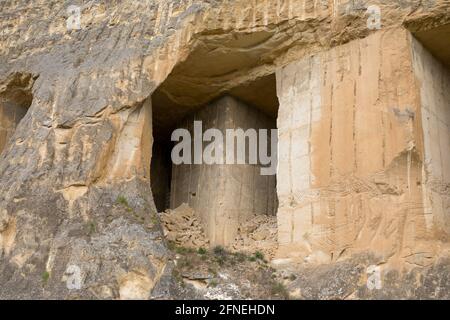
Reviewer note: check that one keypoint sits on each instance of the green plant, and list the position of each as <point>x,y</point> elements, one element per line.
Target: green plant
<point>239,257</point>
<point>212,271</point>
<point>178,277</point>
<point>92,227</point>
<point>171,245</point>
<point>185,263</point>
<point>122,200</point>
<point>213,283</point>
<point>201,251</point>
<point>45,276</point>
<point>154,218</point>
<point>181,250</point>
<point>259,255</point>
<point>219,251</point>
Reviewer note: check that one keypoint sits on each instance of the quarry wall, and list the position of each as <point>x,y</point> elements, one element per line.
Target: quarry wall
<point>351,159</point>
<point>224,195</point>
<point>433,83</point>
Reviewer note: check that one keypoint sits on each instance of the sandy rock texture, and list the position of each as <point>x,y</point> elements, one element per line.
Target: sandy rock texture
<point>77,218</point>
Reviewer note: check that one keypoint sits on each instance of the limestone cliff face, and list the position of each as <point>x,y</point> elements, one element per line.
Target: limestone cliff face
<point>77,218</point>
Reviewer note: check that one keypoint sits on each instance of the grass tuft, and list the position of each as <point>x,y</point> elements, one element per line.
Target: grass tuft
<point>259,255</point>
<point>219,251</point>
<point>278,289</point>
<point>122,200</point>
<point>45,277</point>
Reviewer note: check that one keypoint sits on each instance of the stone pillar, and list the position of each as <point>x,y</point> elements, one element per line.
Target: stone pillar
<point>224,195</point>
<point>350,175</point>
<point>434,85</point>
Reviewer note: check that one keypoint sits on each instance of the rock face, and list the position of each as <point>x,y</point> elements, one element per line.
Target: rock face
<point>363,122</point>
<point>340,194</point>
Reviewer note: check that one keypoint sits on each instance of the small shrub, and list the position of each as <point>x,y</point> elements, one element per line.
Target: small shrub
<point>92,228</point>
<point>122,200</point>
<point>212,271</point>
<point>178,277</point>
<point>240,257</point>
<point>201,251</point>
<point>278,289</point>
<point>219,251</point>
<point>171,245</point>
<point>221,260</point>
<point>176,274</point>
<point>45,276</point>
<point>259,255</point>
<point>181,250</point>
<point>213,283</point>
<point>185,263</point>
<point>154,218</point>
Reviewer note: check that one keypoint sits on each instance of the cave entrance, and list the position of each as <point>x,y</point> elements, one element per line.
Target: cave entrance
<point>15,101</point>
<point>223,196</point>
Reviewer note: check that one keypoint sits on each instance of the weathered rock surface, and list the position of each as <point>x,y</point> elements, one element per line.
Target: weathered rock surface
<point>350,280</point>
<point>77,219</point>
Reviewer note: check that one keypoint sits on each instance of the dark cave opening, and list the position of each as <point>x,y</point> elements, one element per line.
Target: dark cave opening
<point>170,111</point>
<point>14,104</point>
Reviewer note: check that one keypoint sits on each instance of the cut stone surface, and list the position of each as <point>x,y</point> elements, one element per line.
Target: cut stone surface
<point>353,170</point>
<point>224,195</point>
<point>433,84</point>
